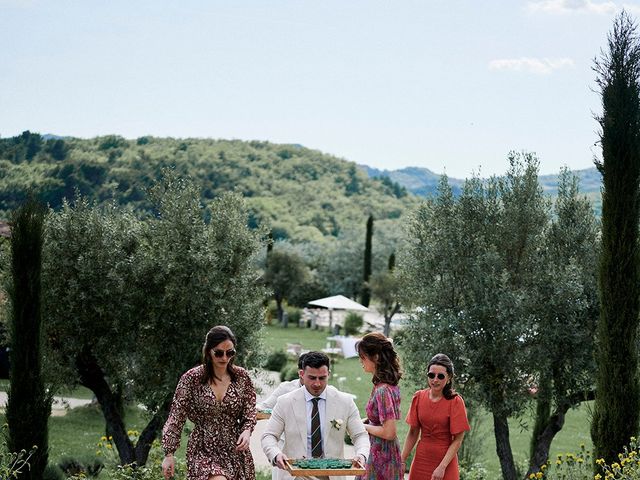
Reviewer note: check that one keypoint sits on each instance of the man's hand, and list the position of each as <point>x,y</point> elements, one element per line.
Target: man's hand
<point>168,466</point>
<point>359,460</point>
<point>243,441</point>
<point>281,458</point>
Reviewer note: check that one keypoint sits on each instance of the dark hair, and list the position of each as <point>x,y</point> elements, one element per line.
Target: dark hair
<point>315,360</point>
<point>441,359</point>
<point>301,360</point>
<point>215,336</point>
<point>379,348</point>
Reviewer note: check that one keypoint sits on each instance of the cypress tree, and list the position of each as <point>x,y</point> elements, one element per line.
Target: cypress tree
<point>615,416</point>
<point>29,404</point>
<point>366,287</point>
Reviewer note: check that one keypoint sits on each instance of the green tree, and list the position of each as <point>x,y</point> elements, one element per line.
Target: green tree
<point>616,409</point>
<point>386,287</point>
<point>368,260</point>
<point>471,267</point>
<point>567,314</point>
<point>29,403</point>
<point>285,272</point>
<point>130,301</point>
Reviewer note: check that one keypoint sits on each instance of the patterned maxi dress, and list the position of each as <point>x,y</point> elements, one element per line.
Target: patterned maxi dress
<point>217,425</point>
<point>438,422</point>
<point>385,459</point>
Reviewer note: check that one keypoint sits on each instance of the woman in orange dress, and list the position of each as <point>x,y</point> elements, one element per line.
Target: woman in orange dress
<point>439,419</point>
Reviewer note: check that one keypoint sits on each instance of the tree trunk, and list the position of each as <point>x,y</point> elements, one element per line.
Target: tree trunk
<point>542,441</point>
<point>503,447</point>
<point>279,309</point>
<point>544,435</point>
<point>92,377</point>
<point>150,433</point>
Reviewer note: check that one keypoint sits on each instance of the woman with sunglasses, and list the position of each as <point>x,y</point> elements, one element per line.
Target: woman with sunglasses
<point>383,408</point>
<point>220,400</point>
<point>439,418</point>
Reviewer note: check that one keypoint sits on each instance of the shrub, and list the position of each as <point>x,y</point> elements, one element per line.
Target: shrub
<point>473,472</point>
<point>53,472</point>
<point>271,313</point>
<point>353,323</point>
<point>276,361</point>
<point>294,315</point>
<point>71,466</point>
<point>289,372</point>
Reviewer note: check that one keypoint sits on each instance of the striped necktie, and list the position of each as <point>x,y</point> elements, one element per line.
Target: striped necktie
<point>316,434</point>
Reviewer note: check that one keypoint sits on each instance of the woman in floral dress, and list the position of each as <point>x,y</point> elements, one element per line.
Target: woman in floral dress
<point>220,400</point>
<point>383,409</point>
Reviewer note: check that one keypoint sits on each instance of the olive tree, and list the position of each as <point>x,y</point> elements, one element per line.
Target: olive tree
<point>129,301</point>
<point>477,273</point>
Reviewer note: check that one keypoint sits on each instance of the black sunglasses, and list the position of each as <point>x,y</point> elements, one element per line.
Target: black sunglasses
<point>220,353</point>
<point>441,376</point>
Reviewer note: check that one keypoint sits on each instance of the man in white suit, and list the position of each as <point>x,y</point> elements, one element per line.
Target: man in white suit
<point>314,420</point>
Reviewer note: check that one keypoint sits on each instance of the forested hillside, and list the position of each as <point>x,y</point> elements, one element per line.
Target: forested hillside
<point>301,194</point>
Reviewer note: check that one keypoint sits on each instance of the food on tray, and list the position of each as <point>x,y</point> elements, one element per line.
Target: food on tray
<point>322,463</point>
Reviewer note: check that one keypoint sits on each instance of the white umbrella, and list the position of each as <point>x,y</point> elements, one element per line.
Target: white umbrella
<point>338,302</point>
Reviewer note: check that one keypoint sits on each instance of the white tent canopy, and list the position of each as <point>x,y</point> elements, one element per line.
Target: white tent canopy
<point>338,302</point>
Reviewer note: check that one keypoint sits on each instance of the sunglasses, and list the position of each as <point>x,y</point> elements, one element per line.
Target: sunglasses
<point>220,353</point>
<point>441,376</point>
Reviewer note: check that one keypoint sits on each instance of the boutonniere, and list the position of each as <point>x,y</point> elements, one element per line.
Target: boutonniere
<point>337,423</point>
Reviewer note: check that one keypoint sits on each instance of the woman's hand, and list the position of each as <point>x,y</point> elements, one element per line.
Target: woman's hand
<point>168,466</point>
<point>243,441</point>
<point>438,473</point>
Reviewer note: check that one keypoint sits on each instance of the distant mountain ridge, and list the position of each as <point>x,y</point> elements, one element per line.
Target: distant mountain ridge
<point>423,182</point>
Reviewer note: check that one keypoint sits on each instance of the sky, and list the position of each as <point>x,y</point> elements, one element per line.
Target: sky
<point>452,86</point>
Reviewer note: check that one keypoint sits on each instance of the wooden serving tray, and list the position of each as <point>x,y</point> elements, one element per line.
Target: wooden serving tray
<point>314,472</point>
<point>263,415</point>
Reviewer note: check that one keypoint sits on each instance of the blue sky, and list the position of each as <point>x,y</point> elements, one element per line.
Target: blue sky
<point>452,86</point>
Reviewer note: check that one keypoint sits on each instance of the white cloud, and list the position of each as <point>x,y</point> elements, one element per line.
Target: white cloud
<point>539,66</point>
<point>631,8</point>
<point>572,6</point>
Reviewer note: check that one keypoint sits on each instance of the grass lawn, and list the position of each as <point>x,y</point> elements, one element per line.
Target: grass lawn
<point>357,382</point>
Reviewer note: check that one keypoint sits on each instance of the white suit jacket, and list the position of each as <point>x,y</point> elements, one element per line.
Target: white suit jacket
<point>289,416</point>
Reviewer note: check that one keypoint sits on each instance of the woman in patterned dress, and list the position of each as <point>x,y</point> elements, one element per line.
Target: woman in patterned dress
<point>220,400</point>
<point>383,408</point>
<point>438,416</point>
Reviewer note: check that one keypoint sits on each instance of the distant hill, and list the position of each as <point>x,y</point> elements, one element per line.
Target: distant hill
<point>424,182</point>
<point>301,194</point>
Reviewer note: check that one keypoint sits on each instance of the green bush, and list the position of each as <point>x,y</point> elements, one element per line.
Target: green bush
<point>271,313</point>
<point>53,472</point>
<point>289,372</point>
<point>74,467</point>
<point>353,323</point>
<point>276,361</point>
<point>71,466</point>
<point>294,315</point>
<point>473,472</point>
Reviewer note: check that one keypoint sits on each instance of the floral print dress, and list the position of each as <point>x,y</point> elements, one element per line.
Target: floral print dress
<point>385,459</point>
<point>217,426</point>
